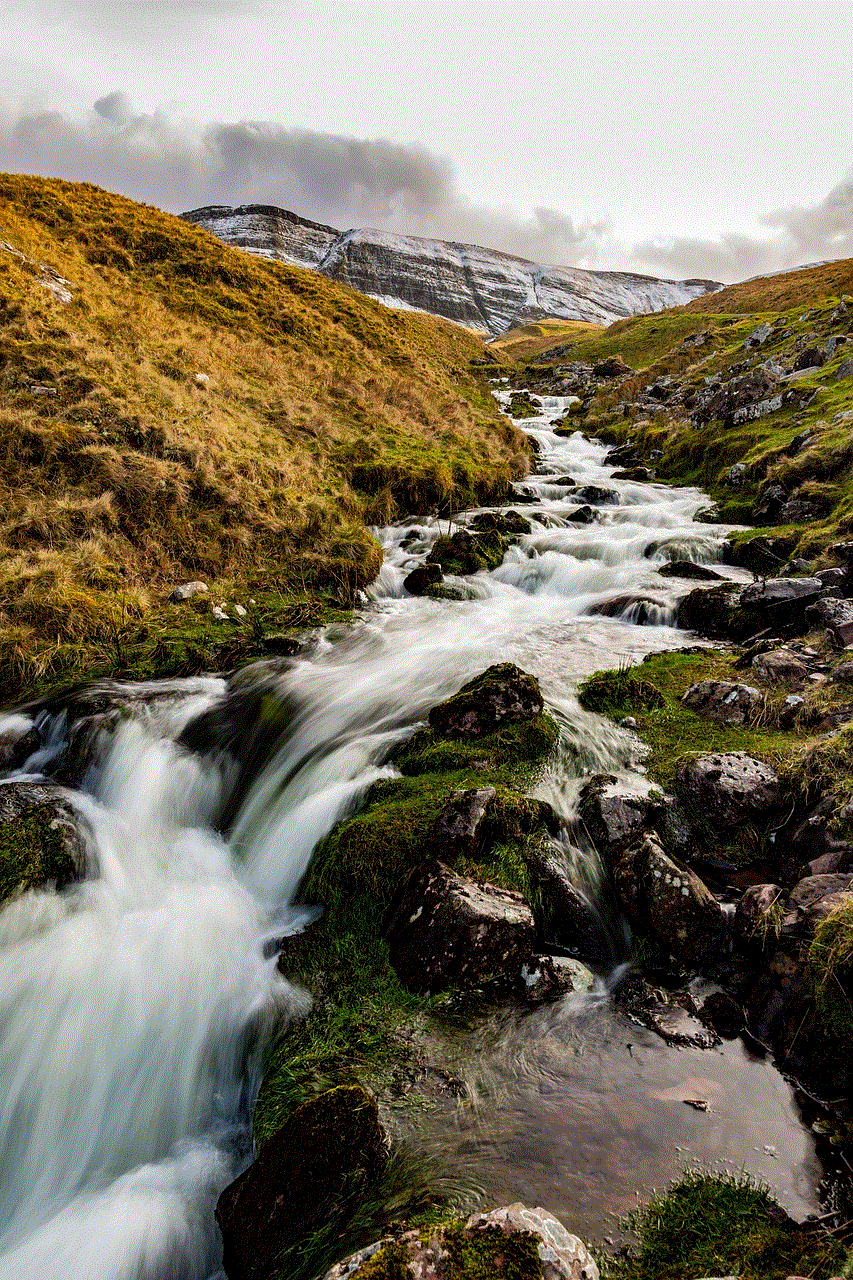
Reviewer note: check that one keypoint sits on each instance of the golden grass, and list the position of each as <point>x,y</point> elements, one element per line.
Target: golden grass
<point>321,410</point>
<point>802,288</point>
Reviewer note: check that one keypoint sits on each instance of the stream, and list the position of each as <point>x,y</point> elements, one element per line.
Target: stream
<point>135,1005</point>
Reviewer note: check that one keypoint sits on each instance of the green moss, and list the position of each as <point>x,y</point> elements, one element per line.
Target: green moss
<point>619,690</point>
<point>831,964</point>
<point>468,551</point>
<point>514,751</point>
<point>34,851</point>
<point>484,1254</point>
<point>722,1225</point>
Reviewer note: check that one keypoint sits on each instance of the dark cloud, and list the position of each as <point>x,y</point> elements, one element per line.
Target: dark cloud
<point>800,236</point>
<point>349,182</point>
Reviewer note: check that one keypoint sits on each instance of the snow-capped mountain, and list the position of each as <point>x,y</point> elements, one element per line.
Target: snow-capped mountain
<point>481,288</point>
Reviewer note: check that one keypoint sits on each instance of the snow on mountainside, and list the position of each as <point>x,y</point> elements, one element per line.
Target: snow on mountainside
<point>481,288</point>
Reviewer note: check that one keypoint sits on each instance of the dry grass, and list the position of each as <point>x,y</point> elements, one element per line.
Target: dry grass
<point>322,410</point>
<point>803,288</point>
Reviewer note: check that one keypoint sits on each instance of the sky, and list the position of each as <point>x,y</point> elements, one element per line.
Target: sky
<point>683,139</point>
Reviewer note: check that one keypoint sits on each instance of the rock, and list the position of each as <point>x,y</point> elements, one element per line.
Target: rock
<point>507,522</point>
<point>448,930</point>
<point>551,977</point>
<point>16,746</point>
<point>774,592</point>
<point>202,379</point>
<point>186,591</point>
<point>830,578</point>
<point>742,398</point>
<point>460,828</point>
<point>729,788</point>
<point>513,1243</point>
<point>844,370</point>
<point>800,511</point>
<point>640,474</point>
<point>723,1014</point>
<point>759,335</point>
<point>468,552</point>
<point>780,666</point>
<point>735,474</point>
<point>669,904</point>
<point>843,674</point>
<point>503,693</point>
<point>716,612</point>
<point>687,569</point>
<point>810,358</point>
<point>791,707</point>
<point>831,612</point>
<point>595,495</point>
<point>563,914</point>
<point>833,342</point>
<point>421,577</point>
<point>640,610</point>
<point>758,916</point>
<point>583,515</point>
<point>280,643</point>
<point>612,367</point>
<point>761,554</point>
<point>722,701</point>
<point>612,815</point>
<point>43,838</point>
<point>326,1153</point>
<point>772,500</point>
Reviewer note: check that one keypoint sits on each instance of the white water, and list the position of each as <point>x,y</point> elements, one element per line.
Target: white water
<point>133,1006</point>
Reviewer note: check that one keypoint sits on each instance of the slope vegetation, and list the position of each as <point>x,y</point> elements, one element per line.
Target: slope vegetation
<point>172,408</point>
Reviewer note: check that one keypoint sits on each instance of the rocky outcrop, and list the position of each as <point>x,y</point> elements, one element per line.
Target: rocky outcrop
<point>512,1242</point>
<point>314,1168</point>
<point>42,839</point>
<point>448,930</point>
<point>729,788</point>
<point>722,701</point>
<point>476,287</point>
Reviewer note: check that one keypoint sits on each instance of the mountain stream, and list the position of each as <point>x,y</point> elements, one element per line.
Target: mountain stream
<point>134,1006</point>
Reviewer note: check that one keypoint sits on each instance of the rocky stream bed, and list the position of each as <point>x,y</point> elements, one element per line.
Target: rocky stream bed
<point>594,979</point>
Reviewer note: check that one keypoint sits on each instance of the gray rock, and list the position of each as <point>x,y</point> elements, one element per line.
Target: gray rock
<point>830,611</point>
<point>810,358</point>
<point>186,591</point>
<point>459,829</point>
<point>780,666</point>
<point>722,701</point>
<point>503,693</point>
<point>612,367</point>
<point>736,473</point>
<point>612,815</point>
<point>759,335</point>
<point>427,1255</point>
<point>844,370</point>
<point>449,930</point>
<point>16,746</point>
<point>729,788</point>
<point>758,916</point>
<point>551,977</point>
<point>830,577</point>
<point>780,591</point>
<point>669,904</point>
<point>832,343</point>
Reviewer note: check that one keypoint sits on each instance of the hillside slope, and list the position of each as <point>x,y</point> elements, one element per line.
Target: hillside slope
<point>122,472</point>
<point>480,288</point>
<point>747,393</point>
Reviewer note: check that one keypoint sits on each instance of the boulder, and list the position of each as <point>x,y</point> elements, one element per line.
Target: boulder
<point>761,554</point>
<point>467,552</point>
<point>315,1167</point>
<point>460,828</point>
<point>448,930</point>
<point>544,978</point>
<point>186,591</point>
<point>687,569</point>
<point>421,577</point>
<point>563,913</point>
<point>758,916</point>
<point>785,592</point>
<point>503,693</point>
<point>844,370</point>
<point>612,815</point>
<point>507,522</point>
<point>831,612</point>
<point>583,515</point>
<point>595,495</point>
<point>722,701</point>
<point>810,358</point>
<point>759,335</point>
<point>513,1243</point>
<point>16,746</point>
<point>42,838</point>
<point>612,367</point>
<point>781,666</point>
<point>729,788</point>
<point>669,904</point>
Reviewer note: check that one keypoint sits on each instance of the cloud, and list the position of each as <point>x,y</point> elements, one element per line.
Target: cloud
<point>345,182</point>
<point>799,236</point>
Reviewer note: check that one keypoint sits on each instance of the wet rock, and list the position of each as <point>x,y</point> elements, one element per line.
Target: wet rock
<point>513,1242</point>
<point>467,552</point>
<point>781,666</point>
<point>563,914</point>
<point>722,701</point>
<point>596,495</point>
<point>762,554</point>
<point>729,788</point>
<point>502,693</point>
<point>612,815</point>
<point>42,838</point>
<point>642,475</point>
<point>583,515</point>
<point>641,610</point>
<point>421,577</point>
<point>448,930</point>
<point>687,569</point>
<point>460,828</point>
<point>789,594</point>
<point>16,746</point>
<point>669,904</point>
<point>612,367</point>
<point>278,642</point>
<point>758,916</point>
<point>509,523</point>
<point>186,591</point>
<point>545,977</point>
<point>324,1156</point>
<point>564,482</point>
<point>671,1015</point>
<point>723,1015</point>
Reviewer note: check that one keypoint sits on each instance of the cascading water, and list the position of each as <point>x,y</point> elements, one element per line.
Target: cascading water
<point>134,1005</point>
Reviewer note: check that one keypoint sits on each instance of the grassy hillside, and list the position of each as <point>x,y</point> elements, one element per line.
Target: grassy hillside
<point>123,473</point>
<point>799,308</point>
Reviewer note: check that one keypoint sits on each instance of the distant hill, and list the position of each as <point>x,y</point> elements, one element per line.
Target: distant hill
<point>480,288</point>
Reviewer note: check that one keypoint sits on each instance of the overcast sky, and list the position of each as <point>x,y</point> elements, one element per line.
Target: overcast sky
<point>684,139</point>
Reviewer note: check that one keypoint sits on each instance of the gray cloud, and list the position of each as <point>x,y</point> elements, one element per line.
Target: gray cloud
<point>800,236</point>
<point>349,182</point>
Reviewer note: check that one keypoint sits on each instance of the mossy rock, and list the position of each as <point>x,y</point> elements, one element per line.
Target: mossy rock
<point>716,612</point>
<point>468,552</point>
<point>40,840</point>
<point>514,750</point>
<point>509,523</point>
<point>831,965</point>
<point>502,693</point>
<point>619,690</point>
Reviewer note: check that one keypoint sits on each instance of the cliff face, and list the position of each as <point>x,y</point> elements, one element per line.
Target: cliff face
<point>480,288</point>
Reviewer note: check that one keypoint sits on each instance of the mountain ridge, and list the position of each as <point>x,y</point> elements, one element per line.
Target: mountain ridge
<point>484,289</point>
